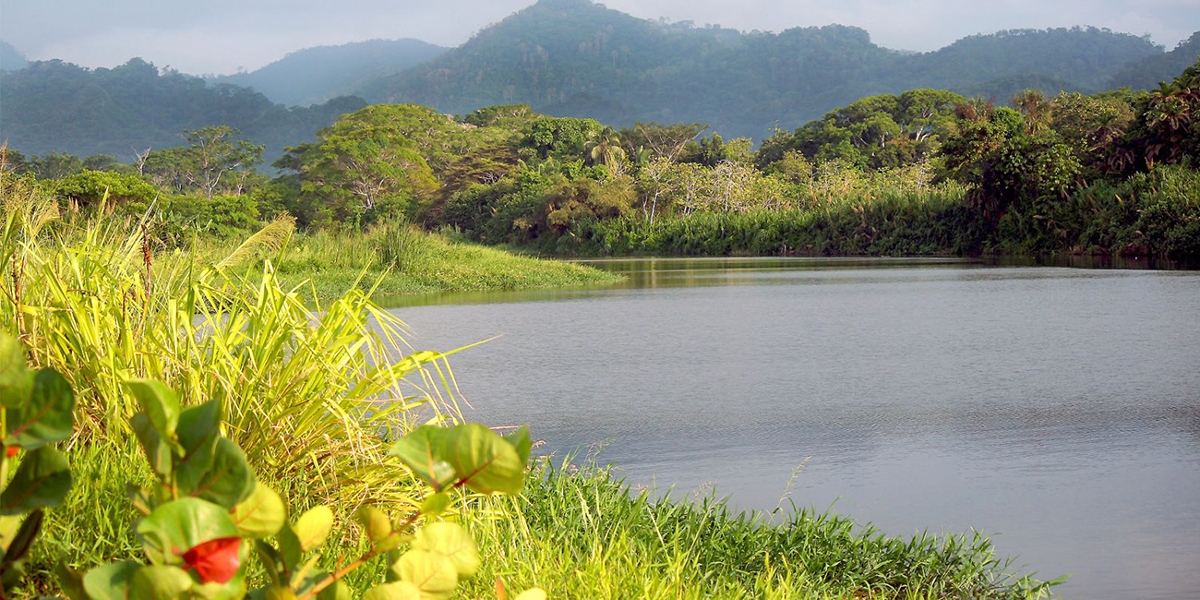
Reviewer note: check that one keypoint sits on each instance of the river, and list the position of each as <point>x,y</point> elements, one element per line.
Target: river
<point>1055,409</point>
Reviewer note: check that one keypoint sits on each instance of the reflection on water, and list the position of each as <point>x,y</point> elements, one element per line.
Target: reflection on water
<point>1056,409</point>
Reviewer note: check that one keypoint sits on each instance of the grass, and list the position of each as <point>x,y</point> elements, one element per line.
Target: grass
<point>581,533</point>
<point>314,395</point>
<point>397,259</point>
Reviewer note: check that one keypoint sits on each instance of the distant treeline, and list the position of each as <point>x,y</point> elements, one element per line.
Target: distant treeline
<point>922,172</point>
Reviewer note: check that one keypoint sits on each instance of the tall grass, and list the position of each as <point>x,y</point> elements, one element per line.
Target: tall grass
<point>581,533</point>
<point>305,391</point>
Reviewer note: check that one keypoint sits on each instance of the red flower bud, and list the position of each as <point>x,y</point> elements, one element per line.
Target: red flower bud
<point>11,451</point>
<point>215,560</point>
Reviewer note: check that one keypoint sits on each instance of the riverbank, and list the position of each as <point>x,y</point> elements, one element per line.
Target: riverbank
<point>301,397</point>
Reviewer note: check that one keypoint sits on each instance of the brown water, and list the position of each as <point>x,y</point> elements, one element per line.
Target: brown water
<point>1056,410</point>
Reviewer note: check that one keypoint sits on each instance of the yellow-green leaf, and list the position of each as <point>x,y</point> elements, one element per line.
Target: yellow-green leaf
<point>398,590</point>
<point>376,523</point>
<point>432,572</point>
<point>454,542</point>
<point>313,527</point>
<point>262,514</point>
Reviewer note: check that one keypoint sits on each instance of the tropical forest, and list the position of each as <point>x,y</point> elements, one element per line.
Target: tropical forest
<point>207,393</point>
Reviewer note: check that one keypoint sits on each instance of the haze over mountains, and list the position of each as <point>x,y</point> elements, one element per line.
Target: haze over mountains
<point>568,58</point>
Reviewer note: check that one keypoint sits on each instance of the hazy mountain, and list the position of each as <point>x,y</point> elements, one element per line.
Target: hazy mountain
<point>53,106</point>
<point>10,58</point>
<point>573,57</point>
<point>314,75</point>
<point>1147,73</point>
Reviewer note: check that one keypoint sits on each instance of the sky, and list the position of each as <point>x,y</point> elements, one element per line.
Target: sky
<point>225,36</point>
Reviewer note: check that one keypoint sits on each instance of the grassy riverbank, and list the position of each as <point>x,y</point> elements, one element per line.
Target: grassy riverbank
<point>301,392</point>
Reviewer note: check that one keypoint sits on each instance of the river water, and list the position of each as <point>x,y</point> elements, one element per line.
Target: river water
<point>1056,410</point>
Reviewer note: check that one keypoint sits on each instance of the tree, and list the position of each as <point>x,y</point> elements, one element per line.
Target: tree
<point>214,162</point>
<point>604,147</point>
<point>361,166</point>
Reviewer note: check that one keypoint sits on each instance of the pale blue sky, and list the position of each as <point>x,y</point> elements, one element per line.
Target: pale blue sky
<point>219,36</point>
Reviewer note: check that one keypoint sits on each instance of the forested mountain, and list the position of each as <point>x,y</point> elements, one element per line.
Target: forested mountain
<point>11,59</point>
<point>53,106</point>
<point>577,58</point>
<point>314,75</point>
<point>1147,73</point>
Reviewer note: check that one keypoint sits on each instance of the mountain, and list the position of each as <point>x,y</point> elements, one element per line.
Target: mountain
<point>54,106</point>
<point>1147,73</point>
<point>10,58</point>
<point>314,75</point>
<point>577,58</point>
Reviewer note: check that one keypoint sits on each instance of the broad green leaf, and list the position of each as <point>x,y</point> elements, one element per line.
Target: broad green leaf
<point>198,431</point>
<point>279,592</point>
<point>338,591</point>
<point>475,456</point>
<point>70,581</point>
<point>313,527</point>
<point>270,559</point>
<point>9,524</point>
<point>262,514</point>
<point>110,582</point>
<point>23,539</point>
<point>42,479</point>
<point>175,527</point>
<point>454,542</point>
<point>16,380</point>
<point>46,418</point>
<point>159,583</point>
<point>397,590</point>
<point>228,480</point>
<point>419,450</point>
<point>522,442</point>
<point>532,594</point>
<point>158,451</point>
<point>435,504</point>
<point>159,403</point>
<point>375,522</point>
<point>234,589</point>
<point>290,552</point>
<point>432,572</point>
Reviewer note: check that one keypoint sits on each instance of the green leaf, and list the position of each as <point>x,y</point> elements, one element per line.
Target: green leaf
<point>9,524</point>
<point>175,527</point>
<point>338,591</point>
<point>451,540</point>
<point>227,481</point>
<point>16,380</point>
<point>42,479</point>
<point>70,581</point>
<point>159,583</point>
<point>532,594</point>
<point>432,572</point>
<point>46,418</point>
<point>398,590</point>
<point>469,454</point>
<point>313,527</point>
<point>23,540</point>
<point>198,431</point>
<point>375,522</point>
<point>522,442</point>
<point>110,582</point>
<point>278,592</point>
<point>262,514</point>
<point>419,450</point>
<point>158,451</point>
<point>159,403</point>
<point>435,504</point>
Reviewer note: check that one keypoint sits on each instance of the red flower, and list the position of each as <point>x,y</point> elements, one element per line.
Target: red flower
<point>215,560</point>
<point>11,451</point>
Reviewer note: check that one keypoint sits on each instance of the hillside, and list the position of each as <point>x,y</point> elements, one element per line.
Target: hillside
<point>314,75</point>
<point>577,58</point>
<point>1147,73</point>
<point>11,59</point>
<point>53,106</point>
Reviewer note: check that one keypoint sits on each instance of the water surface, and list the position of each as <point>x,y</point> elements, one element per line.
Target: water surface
<point>1055,409</point>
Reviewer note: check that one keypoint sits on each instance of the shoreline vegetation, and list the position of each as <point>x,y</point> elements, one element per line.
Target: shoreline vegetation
<point>175,269</point>
<point>90,297</point>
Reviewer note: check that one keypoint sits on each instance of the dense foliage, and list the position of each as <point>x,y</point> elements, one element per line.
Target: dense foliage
<point>576,58</point>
